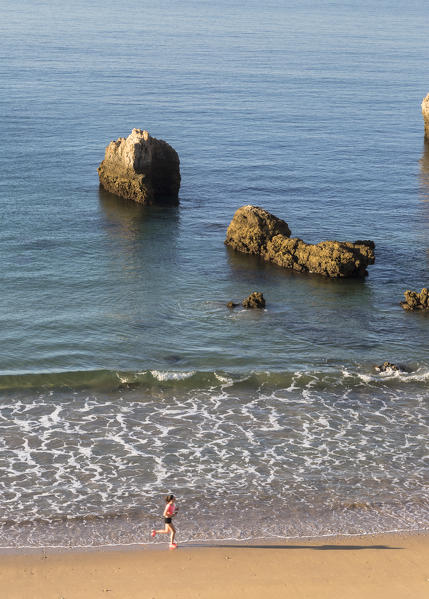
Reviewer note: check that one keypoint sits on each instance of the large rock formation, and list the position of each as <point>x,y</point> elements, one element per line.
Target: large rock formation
<point>141,168</point>
<point>256,231</point>
<point>251,227</point>
<point>416,301</point>
<point>425,112</point>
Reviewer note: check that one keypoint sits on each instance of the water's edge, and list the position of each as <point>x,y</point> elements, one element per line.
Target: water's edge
<point>188,544</point>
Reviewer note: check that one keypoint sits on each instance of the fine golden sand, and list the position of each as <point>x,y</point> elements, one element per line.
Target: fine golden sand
<point>374,567</point>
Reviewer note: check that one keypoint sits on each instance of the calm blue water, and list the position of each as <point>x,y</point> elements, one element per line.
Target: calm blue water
<point>115,342</point>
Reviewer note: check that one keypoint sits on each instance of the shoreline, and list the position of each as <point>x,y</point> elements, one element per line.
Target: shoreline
<point>206,543</point>
<point>201,543</point>
<point>394,566</point>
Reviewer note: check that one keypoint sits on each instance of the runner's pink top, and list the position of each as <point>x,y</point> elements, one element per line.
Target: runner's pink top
<point>171,508</point>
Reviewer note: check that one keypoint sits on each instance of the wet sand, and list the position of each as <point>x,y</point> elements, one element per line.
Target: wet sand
<point>372,567</point>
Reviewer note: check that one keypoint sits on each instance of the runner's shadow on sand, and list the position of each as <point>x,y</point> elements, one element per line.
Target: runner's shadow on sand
<point>315,547</point>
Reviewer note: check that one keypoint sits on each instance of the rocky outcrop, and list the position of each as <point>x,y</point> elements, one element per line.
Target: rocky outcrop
<point>425,112</point>
<point>141,168</point>
<point>254,300</point>
<point>256,231</point>
<point>416,301</point>
<point>252,227</point>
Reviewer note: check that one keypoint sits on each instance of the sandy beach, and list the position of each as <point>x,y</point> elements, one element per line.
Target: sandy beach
<point>393,566</point>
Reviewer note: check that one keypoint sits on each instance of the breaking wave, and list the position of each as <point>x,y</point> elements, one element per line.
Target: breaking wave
<point>116,380</point>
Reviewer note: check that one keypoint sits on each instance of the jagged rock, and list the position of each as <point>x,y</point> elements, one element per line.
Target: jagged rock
<point>255,300</point>
<point>256,231</point>
<point>251,227</point>
<point>416,301</point>
<point>425,112</point>
<point>141,168</point>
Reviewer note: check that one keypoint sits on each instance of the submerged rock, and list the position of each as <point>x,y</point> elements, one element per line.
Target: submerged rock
<point>389,367</point>
<point>232,305</point>
<point>256,231</point>
<point>416,301</point>
<point>425,112</point>
<point>254,300</point>
<point>141,168</point>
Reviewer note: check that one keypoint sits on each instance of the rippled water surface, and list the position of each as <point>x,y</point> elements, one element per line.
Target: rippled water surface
<point>122,374</point>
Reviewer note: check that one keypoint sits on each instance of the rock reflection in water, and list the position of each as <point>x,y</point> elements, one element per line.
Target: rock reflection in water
<point>130,221</point>
<point>424,172</point>
<point>141,257</point>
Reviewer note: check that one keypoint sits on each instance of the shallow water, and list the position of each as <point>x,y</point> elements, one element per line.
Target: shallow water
<point>120,366</point>
<point>265,454</point>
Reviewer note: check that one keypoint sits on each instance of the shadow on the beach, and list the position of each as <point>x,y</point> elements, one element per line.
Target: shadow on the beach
<point>315,547</point>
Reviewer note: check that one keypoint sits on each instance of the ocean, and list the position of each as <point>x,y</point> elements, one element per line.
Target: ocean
<point>123,376</point>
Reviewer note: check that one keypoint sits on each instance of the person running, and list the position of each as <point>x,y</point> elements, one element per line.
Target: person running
<point>169,513</point>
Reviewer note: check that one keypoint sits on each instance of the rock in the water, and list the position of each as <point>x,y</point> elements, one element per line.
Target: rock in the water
<point>387,366</point>
<point>416,301</point>
<point>141,168</point>
<point>256,231</point>
<point>255,300</point>
<point>425,112</point>
<point>232,305</point>
<point>252,227</point>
